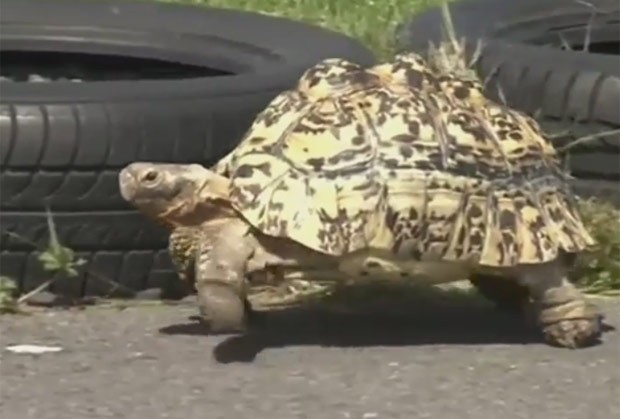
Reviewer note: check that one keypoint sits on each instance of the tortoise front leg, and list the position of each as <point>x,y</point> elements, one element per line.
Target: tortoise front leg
<point>564,315</point>
<point>182,248</point>
<point>220,277</point>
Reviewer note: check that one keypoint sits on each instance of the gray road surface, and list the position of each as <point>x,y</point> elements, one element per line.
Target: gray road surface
<point>153,362</point>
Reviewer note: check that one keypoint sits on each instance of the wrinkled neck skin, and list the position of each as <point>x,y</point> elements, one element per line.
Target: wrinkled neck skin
<point>197,213</point>
<point>204,205</point>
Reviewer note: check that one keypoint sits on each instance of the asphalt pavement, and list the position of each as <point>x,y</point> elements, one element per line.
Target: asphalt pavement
<point>148,362</point>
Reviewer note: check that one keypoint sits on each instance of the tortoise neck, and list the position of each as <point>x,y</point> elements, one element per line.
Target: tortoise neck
<point>197,213</point>
<point>217,187</point>
<point>210,202</point>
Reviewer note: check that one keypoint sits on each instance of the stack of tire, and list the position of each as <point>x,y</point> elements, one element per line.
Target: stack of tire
<point>62,143</point>
<point>574,92</point>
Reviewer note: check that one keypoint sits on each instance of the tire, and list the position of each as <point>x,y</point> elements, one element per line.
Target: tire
<point>62,143</point>
<point>570,92</point>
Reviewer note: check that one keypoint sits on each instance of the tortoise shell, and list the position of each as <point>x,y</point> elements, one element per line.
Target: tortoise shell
<point>401,160</point>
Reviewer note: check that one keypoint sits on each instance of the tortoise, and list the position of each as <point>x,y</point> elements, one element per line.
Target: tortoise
<point>389,171</point>
<point>189,225</point>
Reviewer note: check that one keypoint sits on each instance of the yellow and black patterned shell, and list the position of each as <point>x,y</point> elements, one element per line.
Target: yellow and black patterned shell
<point>401,160</point>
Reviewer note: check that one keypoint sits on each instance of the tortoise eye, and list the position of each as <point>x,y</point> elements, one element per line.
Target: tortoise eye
<point>150,176</point>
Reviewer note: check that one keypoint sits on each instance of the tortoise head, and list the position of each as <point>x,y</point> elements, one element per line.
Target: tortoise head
<point>175,194</point>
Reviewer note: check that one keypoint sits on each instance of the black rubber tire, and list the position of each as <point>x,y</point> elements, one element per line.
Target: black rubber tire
<point>62,144</point>
<point>573,92</point>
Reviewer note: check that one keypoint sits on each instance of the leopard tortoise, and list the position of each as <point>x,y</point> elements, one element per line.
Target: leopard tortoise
<point>392,172</point>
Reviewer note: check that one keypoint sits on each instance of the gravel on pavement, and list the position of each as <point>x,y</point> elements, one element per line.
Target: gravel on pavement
<point>468,361</point>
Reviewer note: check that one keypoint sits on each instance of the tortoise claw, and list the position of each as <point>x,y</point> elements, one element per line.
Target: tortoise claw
<point>574,324</point>
<point>573,333</point>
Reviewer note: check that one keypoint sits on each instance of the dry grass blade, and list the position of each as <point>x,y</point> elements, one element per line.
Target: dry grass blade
<point>586,139</point>
<point>450,56</point>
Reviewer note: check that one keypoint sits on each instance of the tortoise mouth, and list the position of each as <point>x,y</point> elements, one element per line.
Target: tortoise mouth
<point>127,185</point>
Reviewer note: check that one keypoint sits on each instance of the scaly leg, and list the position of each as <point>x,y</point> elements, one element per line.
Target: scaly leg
<point>220,277</point>
<point>182,247</point>
<point>564,315</point>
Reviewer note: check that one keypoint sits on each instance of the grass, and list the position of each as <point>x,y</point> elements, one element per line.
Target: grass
<point>598,271</point>
<point>372,22</point>
<point>57,261</point>
<point>54,258</point>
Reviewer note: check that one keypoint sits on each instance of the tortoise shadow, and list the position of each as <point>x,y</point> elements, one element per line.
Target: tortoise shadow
<point>468,321</point>
<point>464,320</point>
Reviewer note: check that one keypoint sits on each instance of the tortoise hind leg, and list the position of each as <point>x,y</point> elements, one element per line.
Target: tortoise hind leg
<point>506,293</point>
<point>565,317</point>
